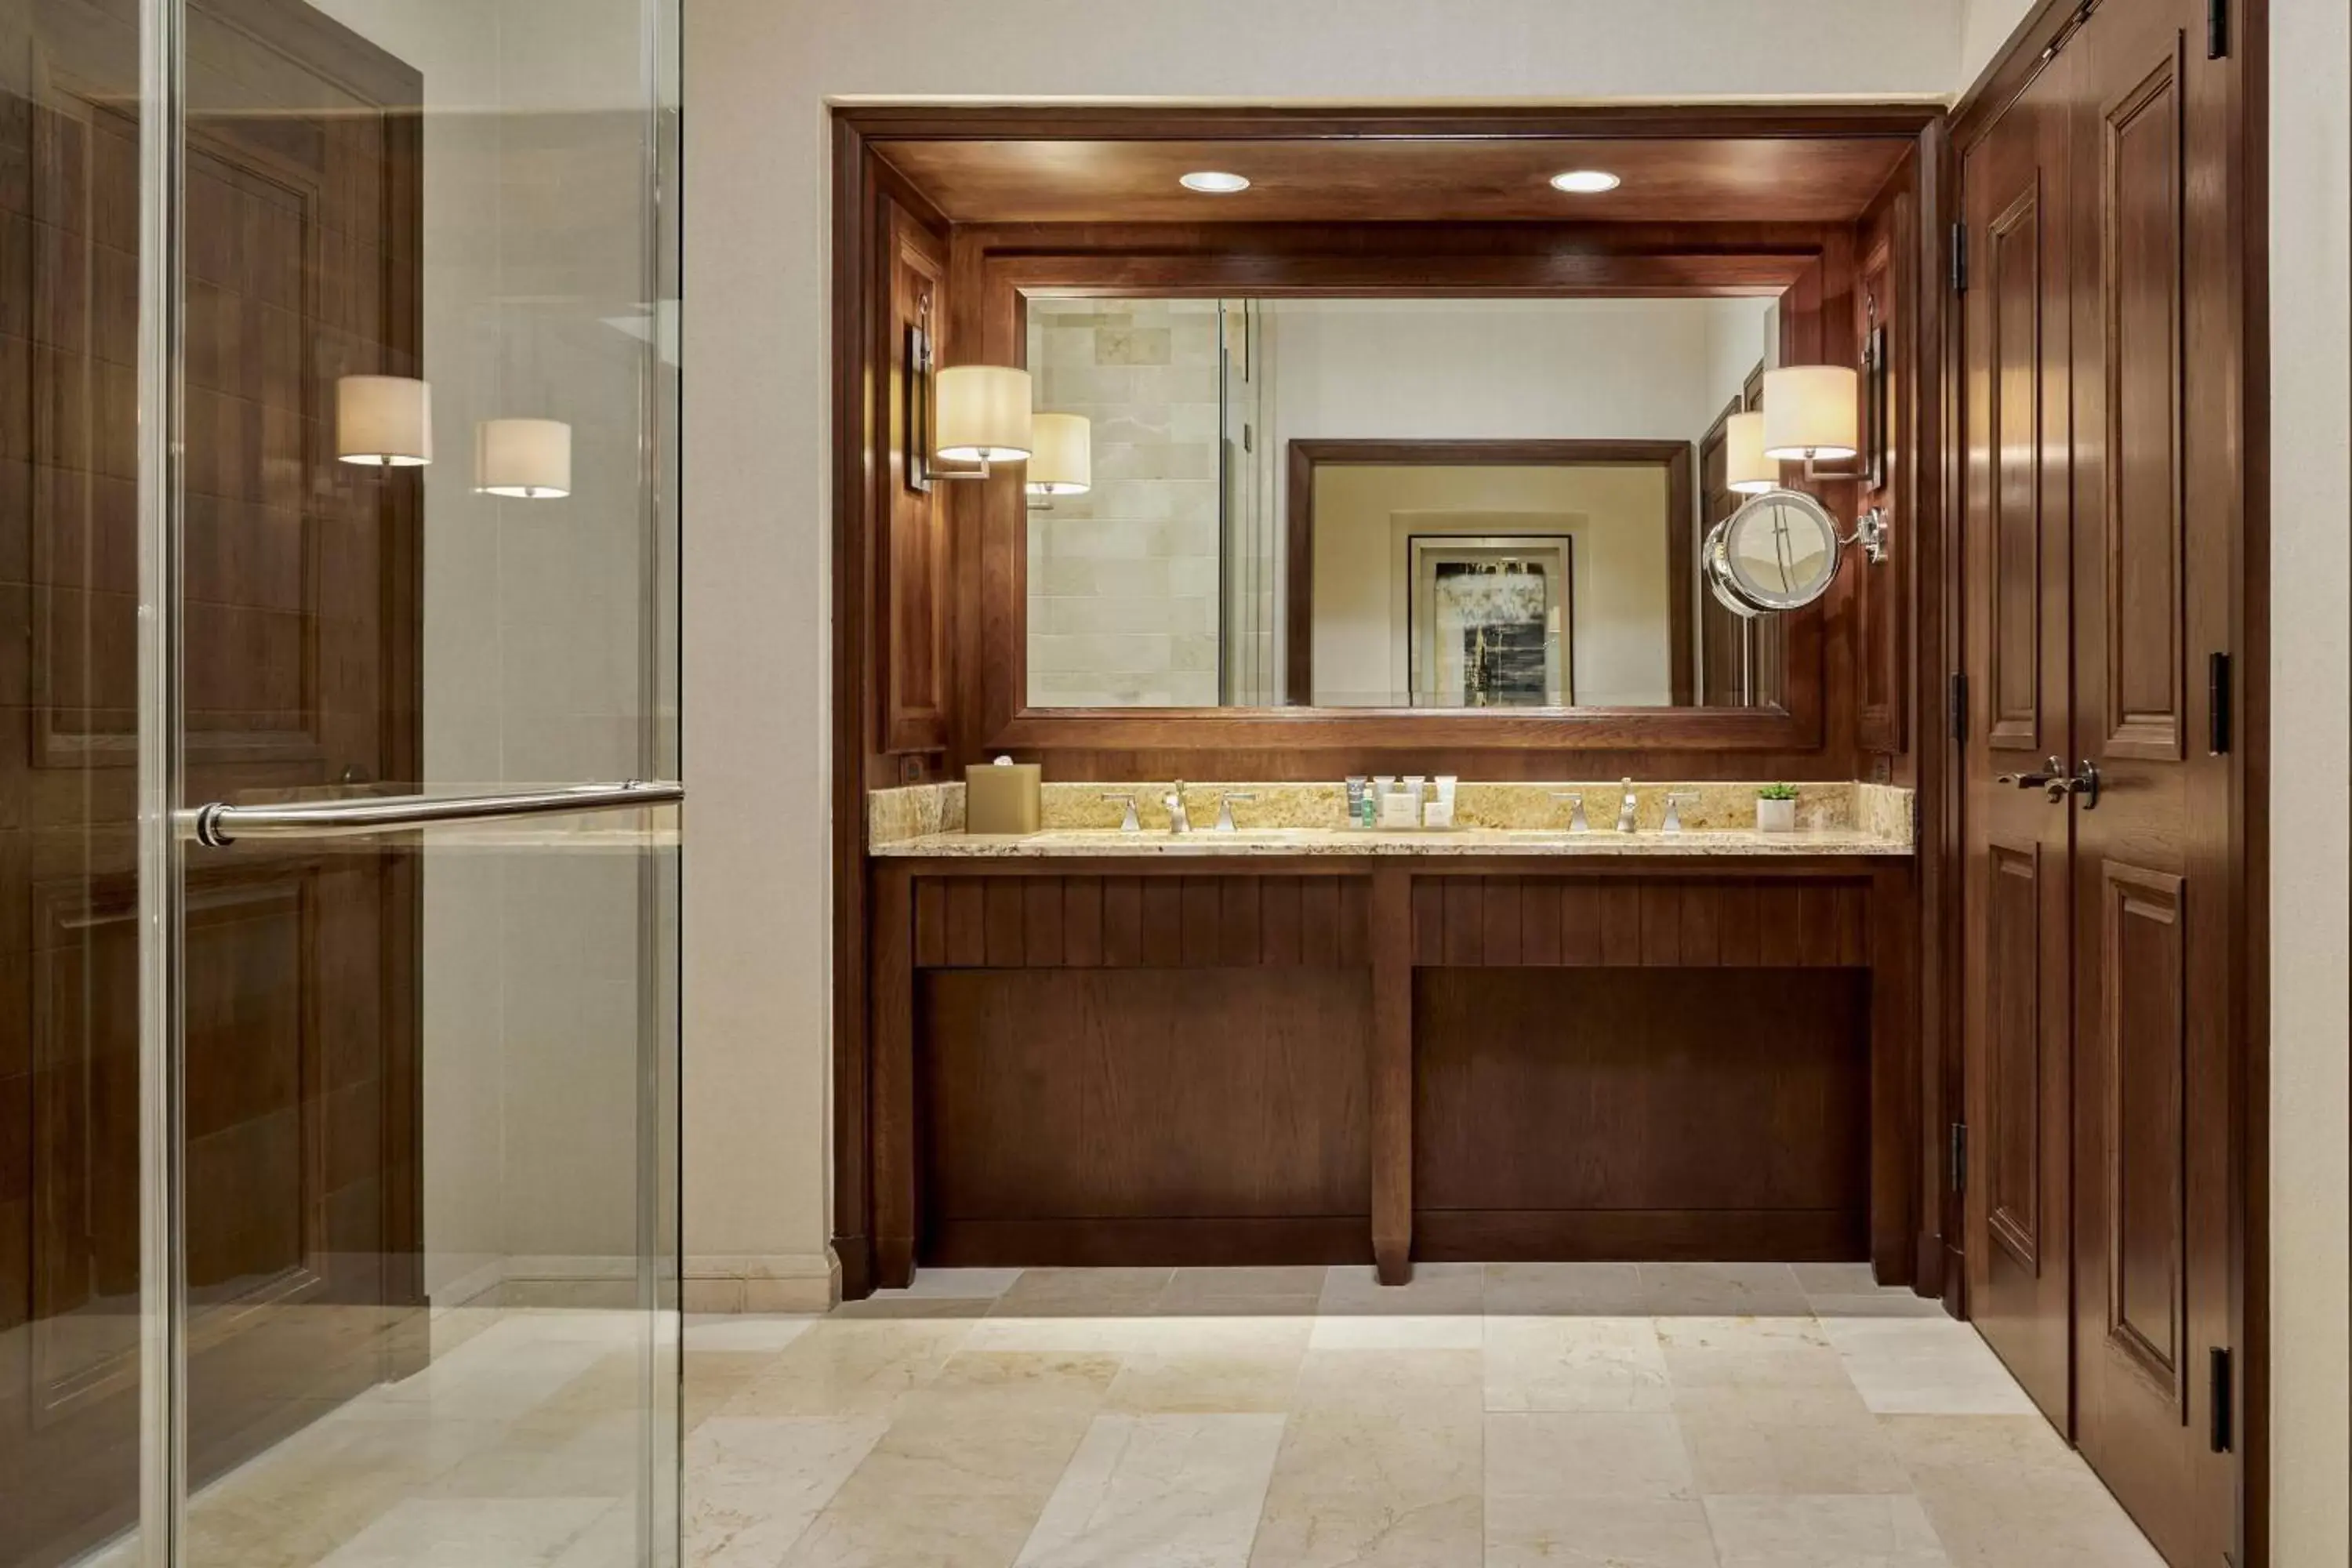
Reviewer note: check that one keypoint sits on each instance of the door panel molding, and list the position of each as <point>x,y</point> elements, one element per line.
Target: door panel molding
<point>2014,283</point>
<point>2145,539</point>
<point>2014,1064</point>
<point>2147,1061</point>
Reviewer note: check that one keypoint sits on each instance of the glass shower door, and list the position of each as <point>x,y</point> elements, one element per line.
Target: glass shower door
<point>338,850</point>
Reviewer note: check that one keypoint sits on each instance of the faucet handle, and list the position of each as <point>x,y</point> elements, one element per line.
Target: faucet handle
<point>1673,823</point>
<point>1225,808</point>
<point>1128,822</point>
<point>1575,800</point>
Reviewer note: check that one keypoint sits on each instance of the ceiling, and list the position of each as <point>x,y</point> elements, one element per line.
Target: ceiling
<point>1817,179</point>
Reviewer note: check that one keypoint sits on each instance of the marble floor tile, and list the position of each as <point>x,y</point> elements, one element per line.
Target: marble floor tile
<point>1849,1290</point>
<point>1775,1446</point>
<point>1083,1292</point>
<point>1736,1363</point>
<point>753,1483</point>
<point>870,1528</point>
<point>711,1378</point>
<point>1252,1292</point>
<point>2005,1490</point>
<point>1558,1363</point>
<point>1399,1331</point>
<point>1435,1289</point>
<point>473,1533</point>
<point>1158,1491</point>
<point>1378,1470</point>
<point>958,1284</point>
<point>851,1368</point>
<point>1215,1365</point>
<point>1903,1367</point>
<point>1587,1455</point>
<point>745,1332</point>
<point>1722,1290</point>
<point>1823,1533</point>
<point>1568,1289</point>
<point>1548,1532</point>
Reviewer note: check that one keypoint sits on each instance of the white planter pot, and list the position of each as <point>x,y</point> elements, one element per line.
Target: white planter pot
<point>1776,817</point>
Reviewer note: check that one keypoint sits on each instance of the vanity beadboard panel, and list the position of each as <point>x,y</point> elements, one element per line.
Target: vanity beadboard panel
<point>1155,1064</point>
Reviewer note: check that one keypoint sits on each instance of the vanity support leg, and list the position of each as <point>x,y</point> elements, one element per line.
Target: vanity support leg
<point>1894,1136</point>
<point>893,1036</point>
<point>1392,1073</point>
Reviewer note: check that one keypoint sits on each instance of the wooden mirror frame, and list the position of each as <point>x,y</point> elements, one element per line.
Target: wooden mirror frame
<point>994,271</point>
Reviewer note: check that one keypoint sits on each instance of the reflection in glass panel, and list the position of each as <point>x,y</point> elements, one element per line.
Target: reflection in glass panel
<point>71,1269</point>
<point>429,1112</point>
<point>1176,582</point>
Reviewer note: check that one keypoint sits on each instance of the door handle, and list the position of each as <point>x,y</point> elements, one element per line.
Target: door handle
<point>2083,782</point>
<point>2057,770</point>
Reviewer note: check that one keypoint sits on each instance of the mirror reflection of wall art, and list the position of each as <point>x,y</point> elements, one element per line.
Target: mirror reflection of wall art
<point>1491,622</point>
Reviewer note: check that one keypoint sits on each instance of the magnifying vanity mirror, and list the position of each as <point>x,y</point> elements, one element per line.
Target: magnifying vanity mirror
<point>1776,554</point>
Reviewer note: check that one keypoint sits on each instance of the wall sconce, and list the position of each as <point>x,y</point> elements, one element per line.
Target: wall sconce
<point>1746,468</point>
<point>383,421</point>
<point>1062,462</point>
<point>529,459</point>
<point>967,413</point>
<point>1814,413</point>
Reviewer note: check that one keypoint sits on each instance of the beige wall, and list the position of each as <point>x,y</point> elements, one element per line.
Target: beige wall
<point>1985,27</point>
<point>2311,807</point>
<point>757,452</point>
<point>1615,518</point>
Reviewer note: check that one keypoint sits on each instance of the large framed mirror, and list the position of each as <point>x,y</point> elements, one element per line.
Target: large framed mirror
<point>1456,499</point>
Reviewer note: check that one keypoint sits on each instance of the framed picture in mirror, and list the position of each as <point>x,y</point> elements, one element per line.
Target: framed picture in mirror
<point>1492,621</point>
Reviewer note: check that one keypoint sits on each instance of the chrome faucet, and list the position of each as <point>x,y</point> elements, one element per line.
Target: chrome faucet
<point>1178,822</point>
<point>1626,808</point>
<point>1673,810</point>
<point>1575,803</point>
<point>1225,808</point>
<point>1126,822</point>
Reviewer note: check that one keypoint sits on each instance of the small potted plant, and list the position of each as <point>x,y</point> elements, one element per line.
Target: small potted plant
<point>1776,808</point>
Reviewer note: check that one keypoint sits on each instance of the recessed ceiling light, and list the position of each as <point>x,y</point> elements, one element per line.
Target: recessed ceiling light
<point>1585,182</point>
<point>1214,181</point>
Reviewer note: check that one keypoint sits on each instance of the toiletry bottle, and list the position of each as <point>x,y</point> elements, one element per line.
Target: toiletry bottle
<point>1356,783</point>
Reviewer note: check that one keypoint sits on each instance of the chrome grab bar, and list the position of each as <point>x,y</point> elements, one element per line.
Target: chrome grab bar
<point>221,824</point>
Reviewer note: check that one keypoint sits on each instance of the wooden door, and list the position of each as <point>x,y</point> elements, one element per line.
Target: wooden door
<point>2017,631</point>
<point>300,1239</point>
<point>2157,474</point>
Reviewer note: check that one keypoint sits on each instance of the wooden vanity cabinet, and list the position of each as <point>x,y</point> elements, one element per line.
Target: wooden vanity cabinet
<point>1321,1059</point>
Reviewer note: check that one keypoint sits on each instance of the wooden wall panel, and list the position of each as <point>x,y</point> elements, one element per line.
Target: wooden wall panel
<point>1144,1094</point>
<point>1046,922</point>
<point>1636,922</point>
<point>911,647</point>
<point>1643,1094</point>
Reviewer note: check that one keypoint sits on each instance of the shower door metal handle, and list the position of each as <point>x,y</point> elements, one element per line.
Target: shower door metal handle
<point>221,824</point>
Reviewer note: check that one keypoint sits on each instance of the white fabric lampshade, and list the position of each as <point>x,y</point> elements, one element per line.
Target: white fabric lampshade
<point>983,414</point>
<point>526,459</point>
<point>383,420</point>
<point>1812,410</point>
<point>1062,459</point>
<point>1746,468</point>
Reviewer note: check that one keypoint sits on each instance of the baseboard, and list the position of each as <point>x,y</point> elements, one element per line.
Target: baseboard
<point>1698,1235</point>
<point>760,1282</point>
<point>1097,1243</point>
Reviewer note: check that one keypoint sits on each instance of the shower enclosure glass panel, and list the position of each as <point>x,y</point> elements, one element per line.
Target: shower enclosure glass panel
<point>338,937</point>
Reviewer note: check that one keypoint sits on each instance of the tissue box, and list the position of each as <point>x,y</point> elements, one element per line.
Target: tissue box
<point>1001,797</point>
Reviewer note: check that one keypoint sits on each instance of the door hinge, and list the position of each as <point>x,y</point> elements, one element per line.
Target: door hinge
<point>1959,1156</point>
<point>2220,1390</point>
<point>1957,705</point>
<point>1959,258</point>
<point>2217,29</point>
<point>2217,704</point>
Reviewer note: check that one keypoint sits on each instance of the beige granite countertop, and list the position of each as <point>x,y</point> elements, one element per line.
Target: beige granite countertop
<point>1293,819</point>
<point>1534,843</point>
